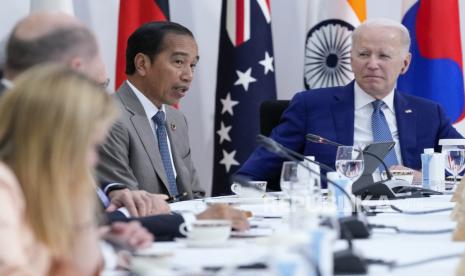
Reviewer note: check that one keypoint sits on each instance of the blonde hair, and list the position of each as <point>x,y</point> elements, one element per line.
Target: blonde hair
<point>46,129</point>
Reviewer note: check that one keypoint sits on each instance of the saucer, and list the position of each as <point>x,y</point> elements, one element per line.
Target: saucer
<point>154,252</point>
<point>235,200</point>
<point>253,233</point>
<point>204,243</point>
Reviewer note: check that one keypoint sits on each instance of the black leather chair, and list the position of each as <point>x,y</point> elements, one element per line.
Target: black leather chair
<point>270,114</point>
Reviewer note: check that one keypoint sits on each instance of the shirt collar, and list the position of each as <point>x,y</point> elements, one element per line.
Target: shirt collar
<point>361,98</point>
<point>149,108</point>
<point>7,83</point>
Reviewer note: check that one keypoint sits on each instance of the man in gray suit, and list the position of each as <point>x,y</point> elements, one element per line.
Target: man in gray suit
<point>148,148</point>
<point>43,37</point>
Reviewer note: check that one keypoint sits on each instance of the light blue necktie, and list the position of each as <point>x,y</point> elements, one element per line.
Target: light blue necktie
<point>381,131</point>
<point>159,120</point>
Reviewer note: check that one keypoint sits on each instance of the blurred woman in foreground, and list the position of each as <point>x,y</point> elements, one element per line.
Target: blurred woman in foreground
<point>51,122</point>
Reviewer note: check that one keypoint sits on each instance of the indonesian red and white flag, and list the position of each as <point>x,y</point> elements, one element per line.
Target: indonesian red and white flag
<point>132,14</point>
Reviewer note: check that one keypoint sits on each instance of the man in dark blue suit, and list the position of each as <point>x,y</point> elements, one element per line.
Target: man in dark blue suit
<point>380,53</point>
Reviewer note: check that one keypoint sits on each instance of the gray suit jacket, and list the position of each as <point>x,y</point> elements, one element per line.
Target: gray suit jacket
<point>130,154</point>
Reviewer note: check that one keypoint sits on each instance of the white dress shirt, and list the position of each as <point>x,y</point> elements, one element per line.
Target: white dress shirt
<point>150,111</point>
<point>363,134</point>
<point>7,83</point>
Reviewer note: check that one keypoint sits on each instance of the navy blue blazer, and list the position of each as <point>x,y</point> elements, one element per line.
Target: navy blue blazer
<point>163,227</point>
<point>329,112</point>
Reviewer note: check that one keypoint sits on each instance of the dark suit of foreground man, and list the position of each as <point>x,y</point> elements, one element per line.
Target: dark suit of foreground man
<point>343,114</point>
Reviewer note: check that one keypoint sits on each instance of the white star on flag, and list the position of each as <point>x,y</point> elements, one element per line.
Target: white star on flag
<point>228,104</point>
<point>267,63</point>
<point>228,160</point>
<point>224,133</point>
<point>245,78</point>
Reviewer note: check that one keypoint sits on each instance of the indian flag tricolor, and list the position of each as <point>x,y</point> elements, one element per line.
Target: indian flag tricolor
<point>327,45</point>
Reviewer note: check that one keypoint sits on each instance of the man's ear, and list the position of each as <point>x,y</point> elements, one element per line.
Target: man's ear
<point>142,64</point>
<point>75,63</point>
<point>406,63</point>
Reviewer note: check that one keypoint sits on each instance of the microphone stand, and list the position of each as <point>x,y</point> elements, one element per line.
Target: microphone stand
<point>346,261</point>
<point>365,187</point>
<point>320,140</point>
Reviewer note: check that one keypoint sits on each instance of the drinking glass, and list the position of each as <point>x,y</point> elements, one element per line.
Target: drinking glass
<point>455,162</point>
<point>295,186</point>
<point>289,176</point>
<point>349,162</point>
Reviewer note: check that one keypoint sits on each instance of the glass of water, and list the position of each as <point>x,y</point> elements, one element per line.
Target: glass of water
<point>297,189</point>
<point>289,177</point>
<point>349,162</point>
<point>455,162</point>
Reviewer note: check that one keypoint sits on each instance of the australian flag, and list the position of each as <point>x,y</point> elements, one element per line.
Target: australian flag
<point>246,78</point>
<point>436,70</point>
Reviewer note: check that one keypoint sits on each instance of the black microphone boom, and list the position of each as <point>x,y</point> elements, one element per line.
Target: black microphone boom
<point>320,140</point>
<point>345,261</point>
<point>356,227</point>
<point>278,147</point>
<point>365,187</point>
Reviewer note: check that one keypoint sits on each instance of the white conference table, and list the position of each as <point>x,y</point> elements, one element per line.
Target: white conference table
<point>384,244</point>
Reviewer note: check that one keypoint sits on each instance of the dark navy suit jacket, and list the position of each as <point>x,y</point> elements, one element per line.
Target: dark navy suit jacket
<point>329,112</point>
<point>163,227</point>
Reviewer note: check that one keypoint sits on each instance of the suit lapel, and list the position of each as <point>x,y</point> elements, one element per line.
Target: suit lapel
<point>343,114</point>
<point>144,130</point>
<point>406,118</point>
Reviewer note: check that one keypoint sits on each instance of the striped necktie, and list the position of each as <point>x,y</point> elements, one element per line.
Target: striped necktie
<point>381,131</point>
<point>159,120</point>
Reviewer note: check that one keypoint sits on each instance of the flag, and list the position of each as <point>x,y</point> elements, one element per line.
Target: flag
<point>328,42</point>
<point>133,14</point>
<point>245,78</point>
<point>436,71</point>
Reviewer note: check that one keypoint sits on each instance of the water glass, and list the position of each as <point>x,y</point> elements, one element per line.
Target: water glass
<point>349,162</point>
<point>455,162</point>
<point>289,177</point>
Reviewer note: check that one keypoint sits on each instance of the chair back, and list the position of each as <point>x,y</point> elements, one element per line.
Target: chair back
<point>270,114</point>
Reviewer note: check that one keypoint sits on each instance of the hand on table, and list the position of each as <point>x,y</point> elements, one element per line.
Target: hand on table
<point>223,211</point>
<point>129,235</point>
<point>139,203</point>
<point>417,178</point>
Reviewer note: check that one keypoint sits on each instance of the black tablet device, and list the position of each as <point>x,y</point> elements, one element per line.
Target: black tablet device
<point>379,149</point>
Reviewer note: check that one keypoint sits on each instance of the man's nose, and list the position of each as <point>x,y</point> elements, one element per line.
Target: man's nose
<point>187,74</point>
<point>373,63</point>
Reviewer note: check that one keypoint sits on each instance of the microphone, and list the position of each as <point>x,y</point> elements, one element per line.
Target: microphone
<point>365,187</point>
<point>276,147</point>
<point>356,227</point>
<point>320,140</point>
<point>345,261</point>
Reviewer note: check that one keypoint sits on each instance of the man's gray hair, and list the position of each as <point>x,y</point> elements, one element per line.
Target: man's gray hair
<point>59,45</point>
<point>384,22</point>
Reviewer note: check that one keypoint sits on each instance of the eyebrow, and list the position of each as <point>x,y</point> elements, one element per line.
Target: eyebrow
<point>184,54</point>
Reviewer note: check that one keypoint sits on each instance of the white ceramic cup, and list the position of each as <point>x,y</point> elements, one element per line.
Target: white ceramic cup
<point>259,189</point>
<point>207,230</point>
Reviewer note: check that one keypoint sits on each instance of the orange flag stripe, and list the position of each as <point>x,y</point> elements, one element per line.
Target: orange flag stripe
<point>360,9</point>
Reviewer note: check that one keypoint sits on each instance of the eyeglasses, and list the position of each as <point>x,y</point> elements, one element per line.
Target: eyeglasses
<point>105,83</point>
